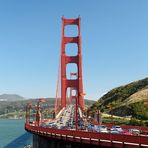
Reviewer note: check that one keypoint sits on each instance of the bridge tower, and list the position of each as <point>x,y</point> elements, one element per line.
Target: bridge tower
<point>77,84</point>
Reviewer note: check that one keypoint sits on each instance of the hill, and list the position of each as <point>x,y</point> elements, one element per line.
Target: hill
<point>17,108</point>
<point>127,100</point>
<point>11,97</point>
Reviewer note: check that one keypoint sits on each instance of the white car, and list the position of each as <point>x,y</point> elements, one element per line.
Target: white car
<point>51,124</point>
<point>134,131</point>
<point>101,129</point>
<point>116,128</point>
<point>114,132</point>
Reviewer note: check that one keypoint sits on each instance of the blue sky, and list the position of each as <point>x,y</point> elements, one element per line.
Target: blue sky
<point>114,44</point>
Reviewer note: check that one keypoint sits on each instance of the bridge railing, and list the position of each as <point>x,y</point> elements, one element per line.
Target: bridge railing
<point>89,135</point>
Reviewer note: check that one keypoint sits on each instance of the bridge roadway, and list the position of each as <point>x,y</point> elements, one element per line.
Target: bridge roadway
<point>60,134</point>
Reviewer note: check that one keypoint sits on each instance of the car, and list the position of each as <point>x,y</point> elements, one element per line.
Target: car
<point>43,124</point>
<point>90,127</point>
<point>82,127</point>
<point>54,126</point>
<point>134,131</point>
<point>114,132</point>
<point>61,121</point>
<point>62,127</point>
<point>101,129</point>
<point>50,124</point>
<point>116,128</point>
<point>58,121</point>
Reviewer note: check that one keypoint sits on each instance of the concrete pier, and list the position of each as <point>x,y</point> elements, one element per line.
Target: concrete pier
<point>43,142</point>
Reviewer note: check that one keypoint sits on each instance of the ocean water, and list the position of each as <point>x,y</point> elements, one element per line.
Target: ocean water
<point>13,135</point>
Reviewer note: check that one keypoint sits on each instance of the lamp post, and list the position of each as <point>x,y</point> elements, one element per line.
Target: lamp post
<point>28,108</point>
<point>38,111</point>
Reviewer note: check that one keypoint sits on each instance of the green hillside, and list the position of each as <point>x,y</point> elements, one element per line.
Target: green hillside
<point>127,100</point>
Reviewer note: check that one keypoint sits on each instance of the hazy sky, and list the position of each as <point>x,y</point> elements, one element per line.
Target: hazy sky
<point>114,44</point>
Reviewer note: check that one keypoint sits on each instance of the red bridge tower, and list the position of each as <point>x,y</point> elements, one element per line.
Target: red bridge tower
<point>77,84</point>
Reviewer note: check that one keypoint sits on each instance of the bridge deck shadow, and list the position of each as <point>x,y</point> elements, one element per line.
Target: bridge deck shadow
<point>20,141</point>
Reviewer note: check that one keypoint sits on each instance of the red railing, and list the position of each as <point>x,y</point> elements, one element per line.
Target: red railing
<point>89,135</point>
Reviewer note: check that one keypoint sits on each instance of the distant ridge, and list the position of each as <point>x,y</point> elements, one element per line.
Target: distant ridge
<point>17,108</point>
<point>11,97</point>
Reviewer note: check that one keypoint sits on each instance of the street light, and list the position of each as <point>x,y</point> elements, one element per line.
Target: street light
<point>38,111</point>
<point>28,108</point>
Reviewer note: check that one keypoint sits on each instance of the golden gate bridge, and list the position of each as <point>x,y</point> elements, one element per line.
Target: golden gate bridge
<point>68,126</point>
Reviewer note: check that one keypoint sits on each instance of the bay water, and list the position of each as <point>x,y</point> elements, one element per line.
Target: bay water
<point>13,135</point>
